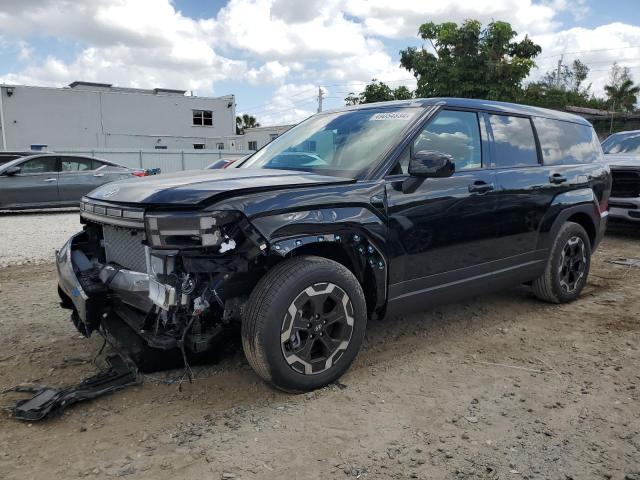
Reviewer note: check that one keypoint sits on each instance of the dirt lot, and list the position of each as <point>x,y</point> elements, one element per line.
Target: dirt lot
<point>499,387</point>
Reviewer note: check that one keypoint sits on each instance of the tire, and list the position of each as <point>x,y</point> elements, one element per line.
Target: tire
<point>297,313</point>
<point>563,278</point>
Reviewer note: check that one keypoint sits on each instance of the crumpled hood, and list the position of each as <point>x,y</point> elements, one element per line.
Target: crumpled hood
<point>197,186</point>
<point>620,160</point>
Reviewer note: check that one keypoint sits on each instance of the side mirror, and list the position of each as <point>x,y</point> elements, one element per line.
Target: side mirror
<point>431,164</point>
<point>12,171</point>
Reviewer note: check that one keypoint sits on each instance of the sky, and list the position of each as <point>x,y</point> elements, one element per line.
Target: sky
<point>274,55</point>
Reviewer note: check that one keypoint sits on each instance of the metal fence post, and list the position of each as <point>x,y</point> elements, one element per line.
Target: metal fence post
<point>183,164</point>
<point>140,158</point>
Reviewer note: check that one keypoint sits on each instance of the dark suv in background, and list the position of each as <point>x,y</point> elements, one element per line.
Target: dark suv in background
<point>369,211</point>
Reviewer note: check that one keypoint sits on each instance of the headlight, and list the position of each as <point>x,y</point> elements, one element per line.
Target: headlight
<point>189,229</point>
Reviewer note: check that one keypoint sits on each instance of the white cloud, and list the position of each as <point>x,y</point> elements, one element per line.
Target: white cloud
<point>290,103</point>
<point>140,43</point>
<point>598,48</point>
<point>270,72</point>
<point>401,18</point>
<point>289,45</point>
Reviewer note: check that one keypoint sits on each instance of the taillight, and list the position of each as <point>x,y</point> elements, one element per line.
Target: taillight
<point>139,173</point>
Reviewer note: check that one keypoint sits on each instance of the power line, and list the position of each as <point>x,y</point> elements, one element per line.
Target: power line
<point>587,51</point>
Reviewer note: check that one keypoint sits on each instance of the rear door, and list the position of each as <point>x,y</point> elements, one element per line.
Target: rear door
<point>524,190</point>
<point>78,176</point>
<point>442,231</point>
<point>35,185</point>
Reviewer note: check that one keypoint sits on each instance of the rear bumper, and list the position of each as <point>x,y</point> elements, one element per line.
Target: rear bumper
<point>625,208</point>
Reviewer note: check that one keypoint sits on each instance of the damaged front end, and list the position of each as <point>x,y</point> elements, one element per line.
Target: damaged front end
<point>176,278</point>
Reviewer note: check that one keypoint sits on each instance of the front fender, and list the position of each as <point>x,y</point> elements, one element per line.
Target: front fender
<point>353,235</point>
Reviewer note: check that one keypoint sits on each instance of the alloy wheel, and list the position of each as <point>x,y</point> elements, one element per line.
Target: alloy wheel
<point>573,264</point>
<point>317,328</point>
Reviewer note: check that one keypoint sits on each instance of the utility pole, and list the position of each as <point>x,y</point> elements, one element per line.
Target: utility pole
<point>320,97</point>
<point>558,73</point>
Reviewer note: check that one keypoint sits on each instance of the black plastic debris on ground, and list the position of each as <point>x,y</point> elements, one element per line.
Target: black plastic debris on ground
<point>48,401</point>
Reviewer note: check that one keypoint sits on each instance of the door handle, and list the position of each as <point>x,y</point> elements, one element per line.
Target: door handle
<point>50,179</point>
<point>480,186</point>
<point>557,178</point>
<point>98,174</point>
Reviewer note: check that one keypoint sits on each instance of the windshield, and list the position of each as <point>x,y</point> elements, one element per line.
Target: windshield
<point>628,143</point>
<point>339,143</point>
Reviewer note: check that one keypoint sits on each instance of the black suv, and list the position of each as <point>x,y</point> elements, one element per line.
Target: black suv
<point>369,211</point>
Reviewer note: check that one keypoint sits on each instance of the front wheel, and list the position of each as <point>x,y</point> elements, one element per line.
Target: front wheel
<point>304,323</point>
<point>567,268</point>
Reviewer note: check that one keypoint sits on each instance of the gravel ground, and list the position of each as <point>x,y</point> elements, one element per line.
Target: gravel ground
<point>34,236</point>
<point>498,387</point>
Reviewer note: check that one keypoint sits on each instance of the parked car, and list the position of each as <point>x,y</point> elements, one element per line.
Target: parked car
<point>222,163</point>
<point>51,180</point>
<point>622,153</point>
<point>370,211</point>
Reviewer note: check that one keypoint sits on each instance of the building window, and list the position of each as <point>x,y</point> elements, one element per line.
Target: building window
<point>160,147</point>
<point>203,118</point>
<point>272,136</point>
<point>220,146</point>
<point>198,146</point>
<point>253,145</point>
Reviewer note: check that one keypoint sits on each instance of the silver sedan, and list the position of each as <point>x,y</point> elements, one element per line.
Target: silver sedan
<point>51,180</point>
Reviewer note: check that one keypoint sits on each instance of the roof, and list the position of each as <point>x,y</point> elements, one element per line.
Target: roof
<point>487,105</point>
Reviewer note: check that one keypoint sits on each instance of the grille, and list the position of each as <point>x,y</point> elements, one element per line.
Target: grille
<point>124,247</point>
<point>626,184</point>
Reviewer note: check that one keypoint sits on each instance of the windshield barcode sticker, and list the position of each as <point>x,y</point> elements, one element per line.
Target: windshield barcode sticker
<point>390,116</point>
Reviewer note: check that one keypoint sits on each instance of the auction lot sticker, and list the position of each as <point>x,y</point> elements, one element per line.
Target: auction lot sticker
<point>390,116</point>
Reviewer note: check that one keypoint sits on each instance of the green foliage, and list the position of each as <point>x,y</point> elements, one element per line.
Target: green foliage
<point>471,62</point>
<point>378,92</point>
<point>245,121</point>
<point>622,94</point>
<point>558,91</point>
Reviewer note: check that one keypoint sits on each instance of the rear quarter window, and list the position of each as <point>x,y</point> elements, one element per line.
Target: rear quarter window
<point>566,143</point>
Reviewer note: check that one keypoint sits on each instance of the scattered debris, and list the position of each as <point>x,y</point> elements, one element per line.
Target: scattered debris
<point>626,262</point>
<point>47,401</point>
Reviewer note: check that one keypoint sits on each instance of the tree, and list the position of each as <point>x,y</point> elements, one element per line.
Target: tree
<point>570,78</point>
<point>622,94</point>
<point>244,122</point>
<point>378,92</point>
<point>470,61</point>
<point>557,92</point>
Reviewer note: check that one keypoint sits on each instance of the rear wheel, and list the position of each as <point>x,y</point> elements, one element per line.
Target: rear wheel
<point>304,323</point>
<point>567,268</point>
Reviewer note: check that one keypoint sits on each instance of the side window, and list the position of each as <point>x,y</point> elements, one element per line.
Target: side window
<point>39,165</point>
<point>566,143</point>
<point>513,142</point>
<point>452,132</point>
<point>96,164</point>
<point>75,164</point>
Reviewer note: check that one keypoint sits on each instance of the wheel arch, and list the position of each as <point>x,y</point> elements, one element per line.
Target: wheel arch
<point>355,251</point>
<point>579,206</point>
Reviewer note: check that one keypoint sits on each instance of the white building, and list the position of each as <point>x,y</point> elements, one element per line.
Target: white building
<point>258,137</point>
<point>99,115</point>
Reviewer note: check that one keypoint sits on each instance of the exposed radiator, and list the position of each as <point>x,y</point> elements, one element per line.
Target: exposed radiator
<point>124,247</point>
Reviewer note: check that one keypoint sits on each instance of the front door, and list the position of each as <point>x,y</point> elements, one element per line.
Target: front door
<point>35,185</point>
<point>441,230</point>
<point>78,177</point>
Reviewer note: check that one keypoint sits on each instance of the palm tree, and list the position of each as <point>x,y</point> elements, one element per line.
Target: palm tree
<point>624,95</point>
<point>244,122</point>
